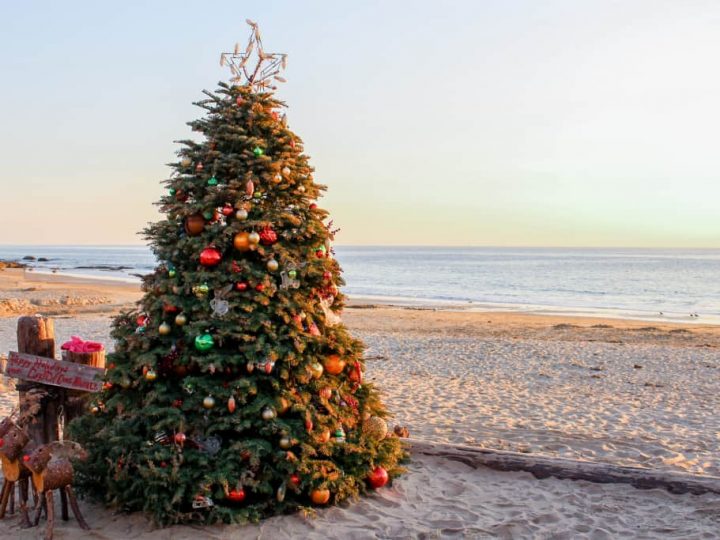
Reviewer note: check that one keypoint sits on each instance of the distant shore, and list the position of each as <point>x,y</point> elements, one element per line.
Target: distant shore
<point>24,290</point>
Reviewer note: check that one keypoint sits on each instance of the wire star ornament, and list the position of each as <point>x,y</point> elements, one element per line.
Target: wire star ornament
<point>267,66</point>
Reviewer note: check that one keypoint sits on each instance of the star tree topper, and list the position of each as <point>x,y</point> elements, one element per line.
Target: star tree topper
<point>267,66</point>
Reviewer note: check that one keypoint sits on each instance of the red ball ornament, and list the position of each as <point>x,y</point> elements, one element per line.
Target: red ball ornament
<point>239,100</point>
<point>236,495</point>
<point>180,438</point>
<point>210,256</point>
<point>199,167</point>
<point>268,237</point>
<point>378,477</point>
<point>313,206</point>
<point>169,308</point>
<point>142,320</point>
<point>295,479</point>
<point>228,210</point>
<point>319,253</point>
<point>259,287</point>
<point>241,286</point>
<point>327,275</point>
<point>177,403</point>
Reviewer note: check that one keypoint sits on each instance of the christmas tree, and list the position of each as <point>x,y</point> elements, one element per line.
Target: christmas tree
<point>235,392</point>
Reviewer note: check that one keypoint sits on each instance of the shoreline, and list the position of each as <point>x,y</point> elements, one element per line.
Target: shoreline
<point>119,291</point>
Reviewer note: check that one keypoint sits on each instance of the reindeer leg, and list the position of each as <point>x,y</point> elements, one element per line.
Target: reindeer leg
<point>51,515</point>
<point>24,517</point>
<point>63,505</point>
<point>12,498</point>
<point>39,506</point>
<point>75,508</point>
<point>7,487</point>
<point>2,498</point>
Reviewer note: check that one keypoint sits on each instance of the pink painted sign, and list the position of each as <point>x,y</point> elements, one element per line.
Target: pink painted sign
<point>54,372</point>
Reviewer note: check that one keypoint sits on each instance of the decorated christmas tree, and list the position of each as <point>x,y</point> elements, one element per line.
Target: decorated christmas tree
<point>235,392</point>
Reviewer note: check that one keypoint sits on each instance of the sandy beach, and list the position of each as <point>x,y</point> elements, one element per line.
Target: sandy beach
<point>622,392</point>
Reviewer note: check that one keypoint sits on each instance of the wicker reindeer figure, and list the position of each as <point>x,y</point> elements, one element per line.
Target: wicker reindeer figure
<point>51,469</point>
<point>13,440</point>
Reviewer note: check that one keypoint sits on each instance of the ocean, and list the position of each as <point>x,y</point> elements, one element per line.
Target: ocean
<point>648,284</point>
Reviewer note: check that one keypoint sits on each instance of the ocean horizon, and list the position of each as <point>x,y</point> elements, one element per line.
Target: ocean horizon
<point>674,284</point>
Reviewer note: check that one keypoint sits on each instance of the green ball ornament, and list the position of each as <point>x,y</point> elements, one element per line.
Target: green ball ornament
<point>204,342</point>
<point>292,274</point>
<point>171,272</point>
<point>212,181</point>
<point>171,191</point>
<point>201,290</point>
<point>258,151</point>
<point>257,194</point>
<point>208,215</point>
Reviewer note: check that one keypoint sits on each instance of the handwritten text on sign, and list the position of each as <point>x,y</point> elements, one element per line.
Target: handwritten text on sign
<point>55,372</point>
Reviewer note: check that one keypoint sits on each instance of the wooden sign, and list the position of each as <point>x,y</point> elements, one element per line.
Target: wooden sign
<point>54,372</point>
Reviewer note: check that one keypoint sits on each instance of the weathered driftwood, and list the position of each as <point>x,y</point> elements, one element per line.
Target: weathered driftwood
<point>569,469</point>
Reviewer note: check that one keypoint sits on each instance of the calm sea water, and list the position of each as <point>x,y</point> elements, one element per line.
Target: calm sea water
<point>641,283</point>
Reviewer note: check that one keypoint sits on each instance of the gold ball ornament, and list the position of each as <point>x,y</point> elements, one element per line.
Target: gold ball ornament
<point>272,265</point>
<point>164,329</point>
<point>285,443</point>
<point>316,370</point>
<point>286,171</point>
<point>209,402</point>
<point>180,319</point>
<point>375,428</point>
<point>277,178</point>
<point>186,162</point>
<point>268,414</point>
<point>254,238</point>
<point>150,375</point>
<point>241,215</point>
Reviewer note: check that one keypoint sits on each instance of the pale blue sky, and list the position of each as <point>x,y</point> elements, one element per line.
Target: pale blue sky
<point>468,122</point>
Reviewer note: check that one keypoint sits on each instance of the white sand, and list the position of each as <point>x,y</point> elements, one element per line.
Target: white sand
<point>532,384</point>
<point>439,498</point>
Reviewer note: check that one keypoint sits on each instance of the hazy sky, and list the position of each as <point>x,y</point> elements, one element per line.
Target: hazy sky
<point>469,122</point>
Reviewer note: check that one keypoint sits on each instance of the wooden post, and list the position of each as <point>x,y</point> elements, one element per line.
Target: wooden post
<point>36,335</point>
<point>75,400</point>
